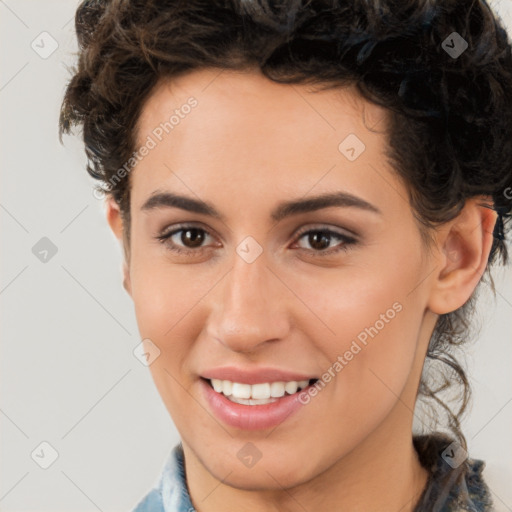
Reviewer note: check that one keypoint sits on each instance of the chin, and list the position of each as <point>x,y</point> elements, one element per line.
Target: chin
<point>269,473</point>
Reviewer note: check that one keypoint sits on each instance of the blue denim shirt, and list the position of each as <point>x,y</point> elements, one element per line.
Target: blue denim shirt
<point>471,494</point>
<point>171,493</point>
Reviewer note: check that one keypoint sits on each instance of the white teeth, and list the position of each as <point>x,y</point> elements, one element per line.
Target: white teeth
<point>227,387</point>
<point>217,385</point>
<point>241,390</point>
<point>277,389</point>
<point>252,401</point>
<point>291,387</point>
<point>261,390</point>
<point>256,393</point>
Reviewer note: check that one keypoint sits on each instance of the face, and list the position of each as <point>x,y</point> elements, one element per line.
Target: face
<point>252,290</point>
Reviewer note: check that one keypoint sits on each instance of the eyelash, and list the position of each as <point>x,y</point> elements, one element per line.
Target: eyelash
<point>348,241</point>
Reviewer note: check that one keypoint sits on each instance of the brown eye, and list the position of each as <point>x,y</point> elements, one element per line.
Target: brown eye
<point>192,237</point>
<point>320,241</point>
<point>184,239</point>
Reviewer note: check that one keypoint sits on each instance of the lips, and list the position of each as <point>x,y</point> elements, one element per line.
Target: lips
<point>255,416</point>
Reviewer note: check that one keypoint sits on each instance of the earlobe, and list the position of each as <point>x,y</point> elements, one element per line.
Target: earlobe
<point>127,285</point>
<point>464,247</point>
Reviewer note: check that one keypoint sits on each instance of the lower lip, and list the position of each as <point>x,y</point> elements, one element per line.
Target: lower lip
<point>251,417</point>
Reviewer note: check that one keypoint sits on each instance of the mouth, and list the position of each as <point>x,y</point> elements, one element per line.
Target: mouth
<point>257,394</point>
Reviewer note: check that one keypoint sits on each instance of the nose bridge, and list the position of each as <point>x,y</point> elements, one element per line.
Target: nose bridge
<point>251,308</point>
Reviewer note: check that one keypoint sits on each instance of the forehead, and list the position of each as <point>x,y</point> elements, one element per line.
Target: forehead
<point>249,131</point>
<point>223,92</point>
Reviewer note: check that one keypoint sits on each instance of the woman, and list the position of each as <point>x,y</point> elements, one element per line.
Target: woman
<point>308,195</point>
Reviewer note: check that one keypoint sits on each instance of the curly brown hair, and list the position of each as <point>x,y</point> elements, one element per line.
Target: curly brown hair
<point>391,50</point>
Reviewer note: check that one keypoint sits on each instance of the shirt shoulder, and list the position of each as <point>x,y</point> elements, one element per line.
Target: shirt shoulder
<point>152,502</point>
<point>171,492</point>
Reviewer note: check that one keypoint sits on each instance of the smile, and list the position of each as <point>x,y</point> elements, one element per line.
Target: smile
<point>240,405</point>
<point>257,394</point>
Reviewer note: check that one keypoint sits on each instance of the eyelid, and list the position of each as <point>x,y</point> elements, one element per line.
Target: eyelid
<point>173,228</point>
<point>344,232</point>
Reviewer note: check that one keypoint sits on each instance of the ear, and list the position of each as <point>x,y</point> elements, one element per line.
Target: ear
<point>115,221</point>
<point>464,246</point>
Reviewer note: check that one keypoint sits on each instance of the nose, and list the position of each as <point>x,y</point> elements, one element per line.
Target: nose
<point>250,309</point>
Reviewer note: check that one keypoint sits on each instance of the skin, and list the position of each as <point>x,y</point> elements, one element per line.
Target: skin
<point>249,144</point>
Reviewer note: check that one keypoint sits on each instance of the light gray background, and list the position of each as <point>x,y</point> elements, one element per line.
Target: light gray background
<point>68,328</point>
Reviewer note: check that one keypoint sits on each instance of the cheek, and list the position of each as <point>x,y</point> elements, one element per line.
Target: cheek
<point>370,360</point>
<point>373,348</point>
<point>354,304</point>
<point>168,309</point>
<point>162,295</point>
<point>369,330</point>
<point>162,308</point>
<point>161,312</point>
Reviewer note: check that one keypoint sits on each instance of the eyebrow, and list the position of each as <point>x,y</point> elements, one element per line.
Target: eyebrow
<point>285,209</point>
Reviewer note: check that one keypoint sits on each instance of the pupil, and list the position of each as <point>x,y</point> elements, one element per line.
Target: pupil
<point>319,242</point>
<point>196,238</point>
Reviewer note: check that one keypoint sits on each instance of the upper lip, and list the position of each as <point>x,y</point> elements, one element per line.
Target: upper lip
<point>254,375</point>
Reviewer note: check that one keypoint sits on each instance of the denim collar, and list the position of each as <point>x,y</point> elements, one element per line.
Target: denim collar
<point>450,487</point>
<point>171,494</point>
<point>175,493</point>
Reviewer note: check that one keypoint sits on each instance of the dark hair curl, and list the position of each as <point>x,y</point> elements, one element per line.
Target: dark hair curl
<point>450,119</point>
